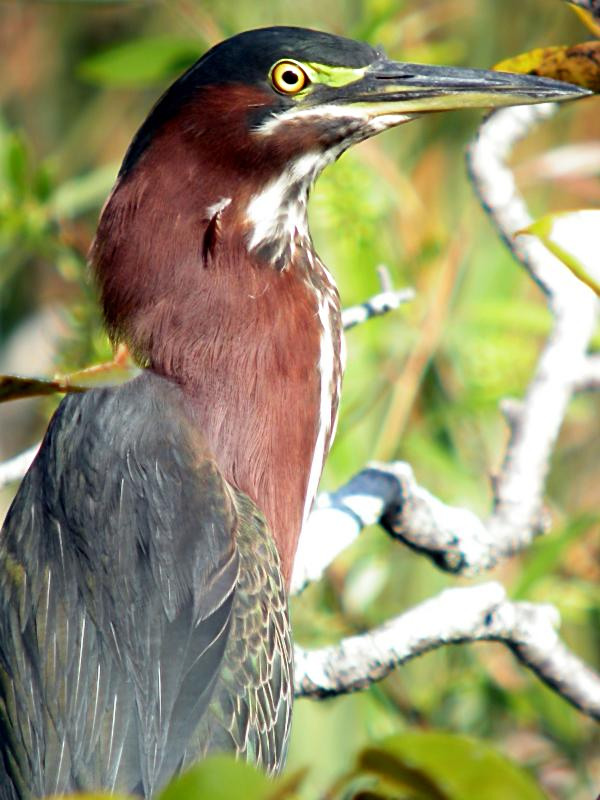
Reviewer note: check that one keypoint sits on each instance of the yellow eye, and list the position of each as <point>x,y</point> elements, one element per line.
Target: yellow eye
<point>288,77</point>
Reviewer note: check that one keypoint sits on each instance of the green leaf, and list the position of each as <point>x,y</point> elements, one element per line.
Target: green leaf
<point>448,766</point>
<point>224,778</point>
<point>572,236</point>
<point>142,62</point>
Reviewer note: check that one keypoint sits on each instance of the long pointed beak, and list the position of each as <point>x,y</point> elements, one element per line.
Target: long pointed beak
<point>395,87</point>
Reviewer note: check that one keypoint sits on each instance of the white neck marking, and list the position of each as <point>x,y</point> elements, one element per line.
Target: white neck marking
<point>373,120</point>
<point>277,214</point>
<point>327,365</point>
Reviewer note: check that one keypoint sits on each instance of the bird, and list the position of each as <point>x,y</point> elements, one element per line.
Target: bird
<point>146,558</point>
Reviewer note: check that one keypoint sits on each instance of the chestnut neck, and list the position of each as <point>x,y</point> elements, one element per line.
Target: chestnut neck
<point>241,336</point>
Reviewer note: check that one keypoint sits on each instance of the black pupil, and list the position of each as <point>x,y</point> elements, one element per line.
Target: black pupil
<point>290,77</point>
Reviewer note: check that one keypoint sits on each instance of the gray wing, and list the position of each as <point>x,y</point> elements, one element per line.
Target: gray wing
<point>118,569</point>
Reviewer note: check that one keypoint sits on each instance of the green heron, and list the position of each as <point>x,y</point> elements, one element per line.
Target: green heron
<point>145,559</point>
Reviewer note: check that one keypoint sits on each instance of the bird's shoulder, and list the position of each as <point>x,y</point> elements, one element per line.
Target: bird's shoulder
<point>122,476</point>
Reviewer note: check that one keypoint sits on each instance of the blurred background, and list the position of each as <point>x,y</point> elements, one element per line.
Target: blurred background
<point>422,384</point>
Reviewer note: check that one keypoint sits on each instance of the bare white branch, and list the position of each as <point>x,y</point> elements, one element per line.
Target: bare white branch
<point>469,614</point>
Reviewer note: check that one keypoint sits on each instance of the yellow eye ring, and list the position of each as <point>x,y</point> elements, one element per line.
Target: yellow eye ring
<point>288,77</point>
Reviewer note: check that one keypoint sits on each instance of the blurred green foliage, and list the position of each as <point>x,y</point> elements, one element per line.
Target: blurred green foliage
<point>222,778</point>
<point>422,384</point>
<point>422,765</point>
<point>142,62</point>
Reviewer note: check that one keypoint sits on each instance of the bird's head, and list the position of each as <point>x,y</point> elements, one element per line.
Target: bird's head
<point>284,93</point>
<point>228,154</point>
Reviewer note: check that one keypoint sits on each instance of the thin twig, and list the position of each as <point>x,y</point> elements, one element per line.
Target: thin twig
<point>377,305</point>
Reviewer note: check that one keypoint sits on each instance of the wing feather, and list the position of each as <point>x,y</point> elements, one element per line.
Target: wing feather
<point>118,572</point>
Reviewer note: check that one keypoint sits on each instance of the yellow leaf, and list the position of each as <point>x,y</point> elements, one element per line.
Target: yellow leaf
<point>578,64</point>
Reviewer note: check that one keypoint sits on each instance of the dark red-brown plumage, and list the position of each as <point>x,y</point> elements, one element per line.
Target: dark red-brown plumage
<point>240,336</point>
